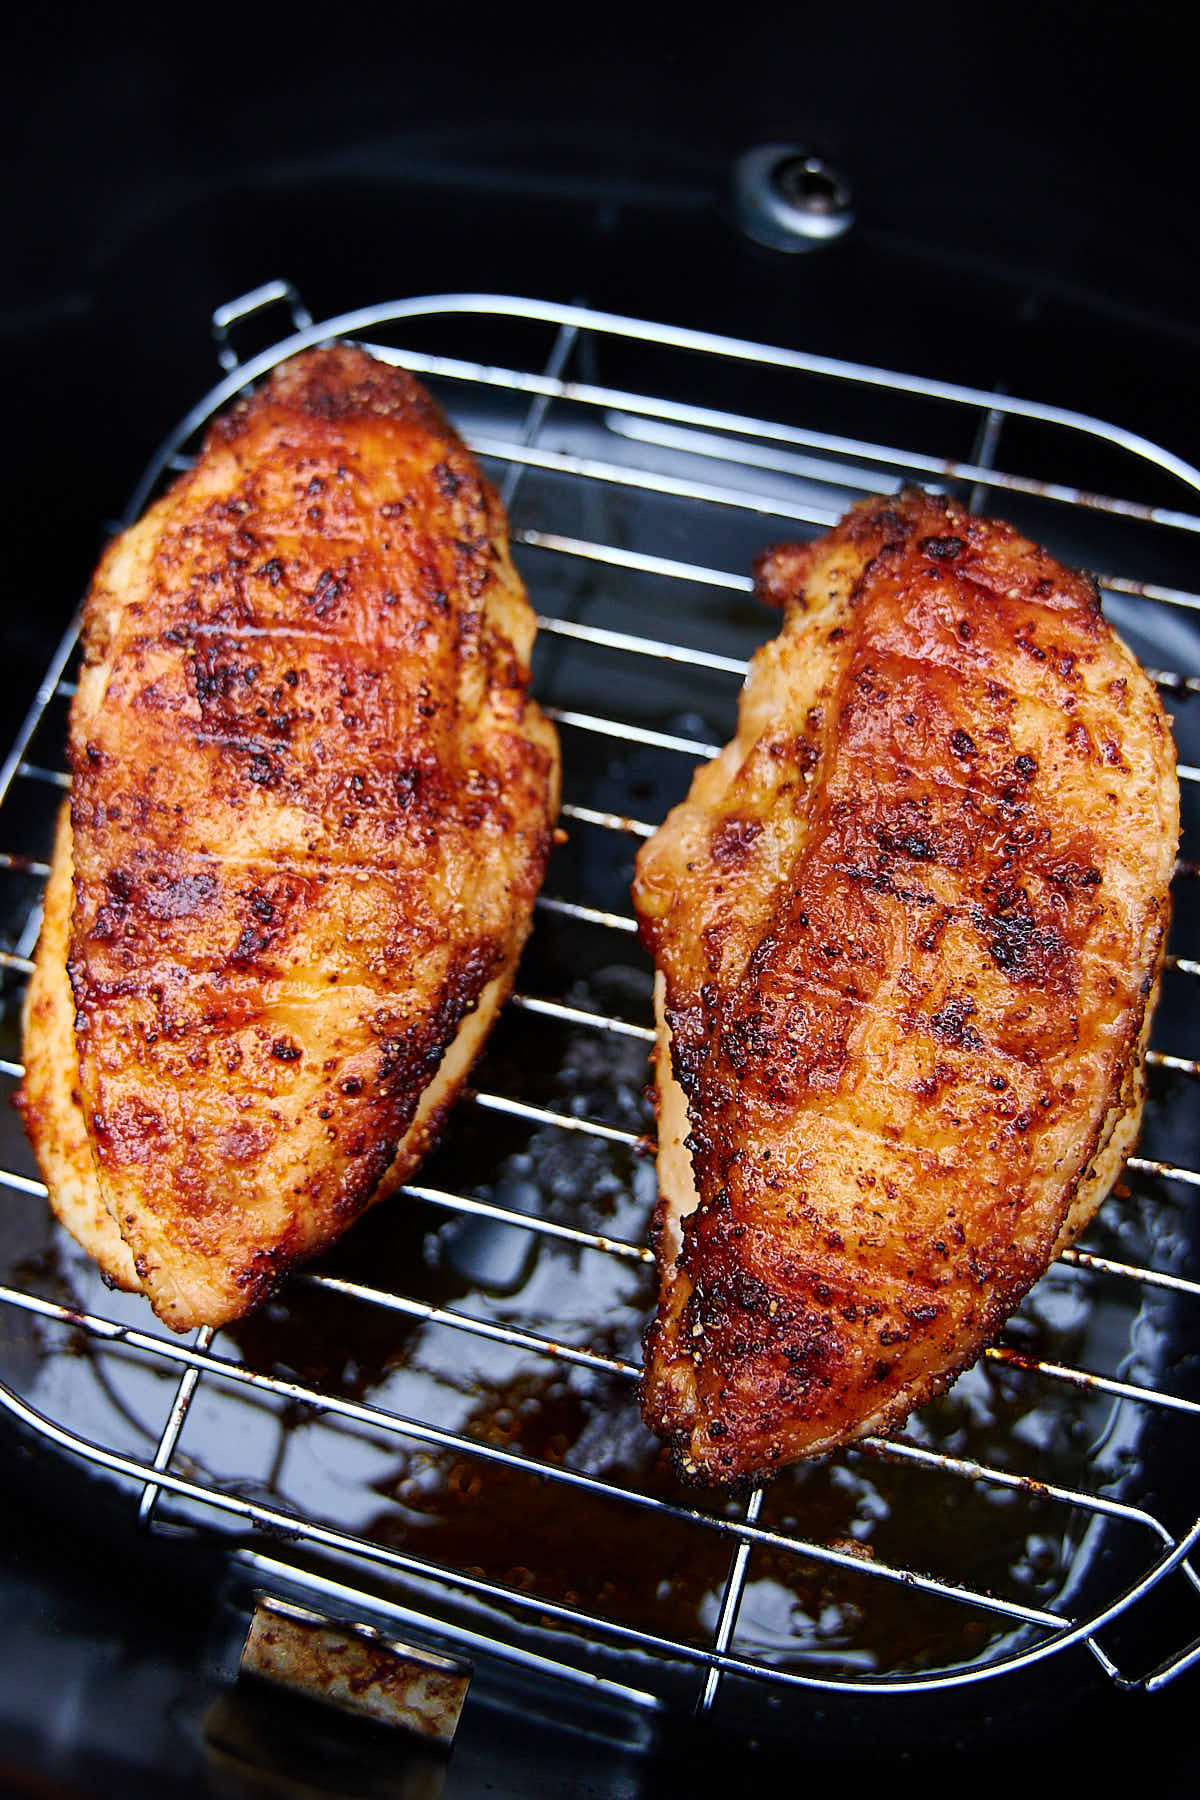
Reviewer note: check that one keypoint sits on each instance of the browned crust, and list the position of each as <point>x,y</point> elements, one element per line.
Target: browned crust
<point>908,927</point>
<point>48,1097</point>
<point>311,808</point>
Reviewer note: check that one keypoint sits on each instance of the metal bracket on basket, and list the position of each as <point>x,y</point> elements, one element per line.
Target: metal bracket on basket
<point>233,312</point>
<point>1178,1662</point>
<point>356,1668</point>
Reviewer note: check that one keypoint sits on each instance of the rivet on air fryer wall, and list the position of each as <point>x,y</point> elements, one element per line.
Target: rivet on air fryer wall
<point>789,199</point>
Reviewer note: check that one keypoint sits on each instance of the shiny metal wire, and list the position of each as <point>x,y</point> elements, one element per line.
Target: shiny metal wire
<point>742,450</point>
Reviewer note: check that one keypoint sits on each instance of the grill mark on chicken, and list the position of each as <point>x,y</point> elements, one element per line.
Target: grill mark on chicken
<point>311,809</point>
<point>901,1028</point>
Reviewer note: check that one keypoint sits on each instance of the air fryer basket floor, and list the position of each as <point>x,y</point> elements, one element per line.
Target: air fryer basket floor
<point>439,1422</point>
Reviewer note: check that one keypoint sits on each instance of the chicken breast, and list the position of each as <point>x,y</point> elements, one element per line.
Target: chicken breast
<point>908,928</point>
<point>311,808</point>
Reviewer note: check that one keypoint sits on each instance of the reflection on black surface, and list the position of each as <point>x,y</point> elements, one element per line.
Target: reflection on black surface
<point>163,199</point>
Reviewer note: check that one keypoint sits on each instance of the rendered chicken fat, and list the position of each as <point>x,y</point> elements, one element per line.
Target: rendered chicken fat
<point>311,808</point>
<point>908,927</point>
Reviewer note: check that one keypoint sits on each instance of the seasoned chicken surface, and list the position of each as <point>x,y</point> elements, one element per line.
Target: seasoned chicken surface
<point>311,808</point>
<point>49,1095</point>
<point>908,928</point>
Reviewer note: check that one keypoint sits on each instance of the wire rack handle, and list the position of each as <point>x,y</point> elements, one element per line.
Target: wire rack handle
<point>1189,1657</point>
<point>1176,1563</point>
<point>250,305</point>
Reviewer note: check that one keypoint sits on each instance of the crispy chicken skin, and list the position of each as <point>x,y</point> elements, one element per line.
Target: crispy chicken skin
<point>311,808</point>
<point>908,928</point>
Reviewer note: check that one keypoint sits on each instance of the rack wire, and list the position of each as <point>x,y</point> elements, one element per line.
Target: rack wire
<point>630,511</point>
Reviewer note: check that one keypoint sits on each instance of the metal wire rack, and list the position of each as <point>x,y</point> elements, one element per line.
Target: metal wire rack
<point>439,1422</point>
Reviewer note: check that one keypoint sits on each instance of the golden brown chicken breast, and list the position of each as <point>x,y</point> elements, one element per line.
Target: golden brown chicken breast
<point>907,927</point>
<point>311,808</point>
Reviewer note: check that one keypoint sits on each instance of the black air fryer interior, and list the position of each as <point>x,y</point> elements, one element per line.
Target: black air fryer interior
<point>1017,227</point>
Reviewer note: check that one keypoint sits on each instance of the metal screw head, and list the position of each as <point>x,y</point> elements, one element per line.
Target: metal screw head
<point>789,199</point>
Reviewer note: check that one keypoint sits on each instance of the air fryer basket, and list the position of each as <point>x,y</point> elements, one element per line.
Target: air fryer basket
<point>438,1424</point>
